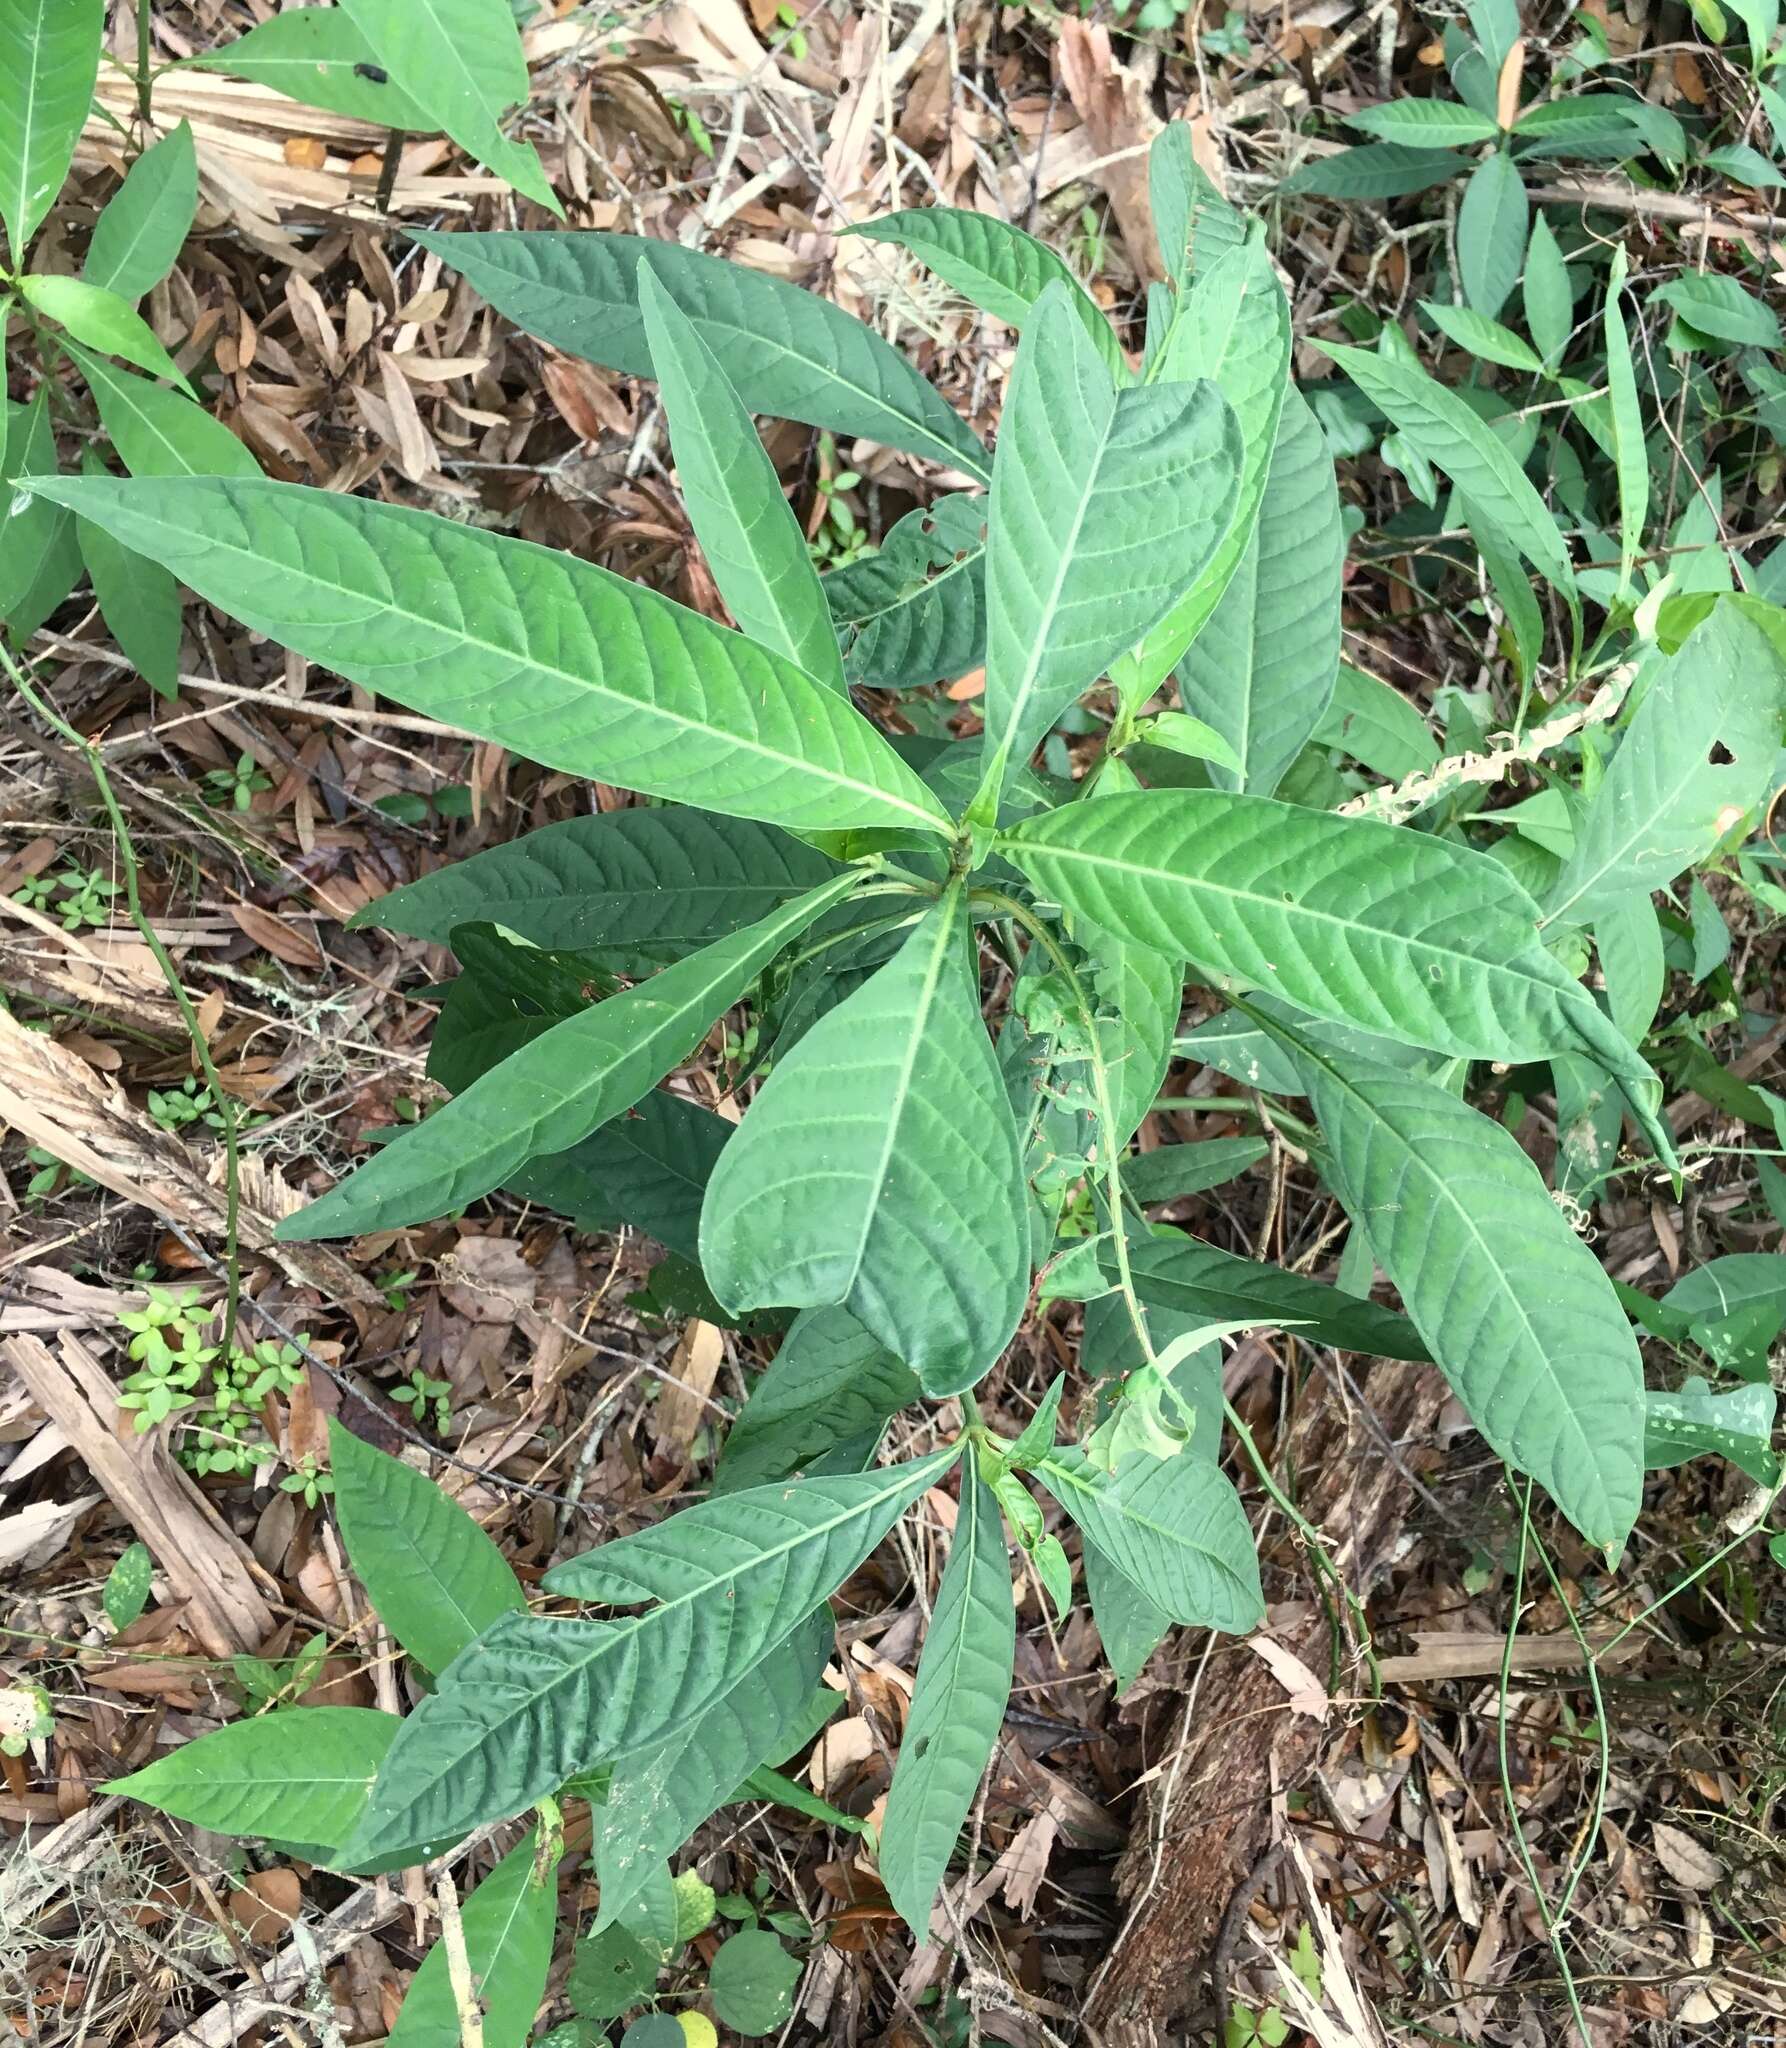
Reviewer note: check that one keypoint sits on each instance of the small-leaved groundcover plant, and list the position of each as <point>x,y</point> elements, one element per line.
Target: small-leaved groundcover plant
<point>904,1169</point>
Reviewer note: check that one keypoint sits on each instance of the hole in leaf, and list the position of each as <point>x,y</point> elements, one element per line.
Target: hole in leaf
<point>1720,755</point>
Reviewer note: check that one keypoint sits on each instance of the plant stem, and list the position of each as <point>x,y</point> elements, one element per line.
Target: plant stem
<point>1106,1113</point>
<point>145,85</point>
<point>1310,1535</point>
<point>1553,1927</point>
<point>226,1109</point>
<point>387,171</point>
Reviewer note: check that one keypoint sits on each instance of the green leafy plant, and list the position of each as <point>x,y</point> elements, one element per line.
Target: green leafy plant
<point>234,788</point>
<point>901,1175</point>
<point>218,1395</point>
<point>80,897</point>
<point>413,66</point>
<point>98,358</point>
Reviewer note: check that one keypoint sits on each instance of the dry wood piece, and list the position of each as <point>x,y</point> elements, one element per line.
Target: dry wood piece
<point>206,1566</point>
<point>1358,1496</point>
<point>1461,1653</point>
<point>59,1102</point>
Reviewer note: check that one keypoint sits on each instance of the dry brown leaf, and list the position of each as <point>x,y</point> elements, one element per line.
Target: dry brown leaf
<point>267,1905</point>
<point>583,397</point>
<point>839,1750</point>
<point>489,1279</point>
<point>277,935</point>
<point>1685,1859</point>
<point>683,1403</point>
<point>1307,1695</point>
<point>1119,123</point>
<point>1507,85</point>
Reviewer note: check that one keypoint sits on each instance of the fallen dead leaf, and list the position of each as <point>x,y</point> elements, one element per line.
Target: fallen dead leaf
<point>1685,1859</point>
<point>1307,1695</point>
<point>694,1369</point>
<point>842,1746</point>
<point>267,1905</point>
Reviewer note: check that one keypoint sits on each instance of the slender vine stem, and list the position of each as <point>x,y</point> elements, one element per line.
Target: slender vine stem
<point>1324,1565</point>
<point>1553,1924</point>
<point>226,1109</point>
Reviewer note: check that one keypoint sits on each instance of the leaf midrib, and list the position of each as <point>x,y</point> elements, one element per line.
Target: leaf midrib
<point>476,643</point>
<point>948,915</point>
<point>36,36</point>
<point>617,1633</point>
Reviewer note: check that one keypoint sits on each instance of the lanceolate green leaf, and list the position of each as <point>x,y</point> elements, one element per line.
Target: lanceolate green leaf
<point>1194,224</point>
<point>557,1089</point>
<point>142,225</point>
<point>433,1575</point>
<point>1174,1527</point>
<point>140,603</point>
<point>1451,436</point>
<point>102,320</point>
<point>509,1923</point>
<point>39,555</point>
<point>301,1774</point>
<point>1697,756</point>
<point>1631,459</point>
<point>646,1169</point>
<point>1206,1285</point>
<point>1427,124</point>
<point>1511,1303</point>
<point>1104,505</point>
<point>993,266</point>
<point>1491,230</point>
<point>786,351</point>
<point>49,59</point>
<point>662,1794</point>
<point>1376,725</point>
<point>1395,931</point>
<point>1233,327</point>
<point>532,1701</point>
<point>879,1167</point>
<point>156,431</point>
<point>565,662</point>
<point>831,1385</point>
<point>318,56</point>
<point>914,612</point>
<point>747,529</point>
<point>1130,1625</point>
<point>958,1707</point>
<point>462,61</point>
<point>1262,672</point>
<point>647,885</point>
<point>1381,170</point>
